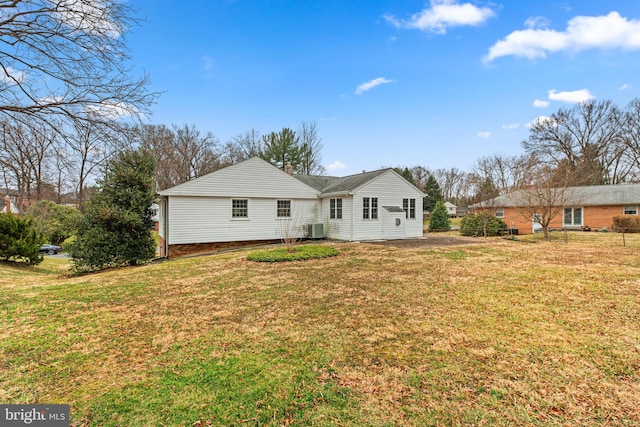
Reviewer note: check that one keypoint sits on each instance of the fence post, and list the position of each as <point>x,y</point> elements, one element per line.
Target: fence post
<point>624,241</point>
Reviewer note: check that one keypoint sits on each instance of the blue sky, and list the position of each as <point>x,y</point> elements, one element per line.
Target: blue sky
<point>435,83</point>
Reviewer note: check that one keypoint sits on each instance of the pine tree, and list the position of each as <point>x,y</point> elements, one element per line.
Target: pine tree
<point>115,230</point>
<point>439,219</point>
<point>282,148</point>
<point>433,194</point>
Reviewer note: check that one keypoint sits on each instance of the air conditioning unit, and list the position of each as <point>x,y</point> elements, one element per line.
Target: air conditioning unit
<point>315,231</point>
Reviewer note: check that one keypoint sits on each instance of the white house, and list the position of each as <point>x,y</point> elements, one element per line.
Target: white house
<point>253,201</point>
<point>452,209</point>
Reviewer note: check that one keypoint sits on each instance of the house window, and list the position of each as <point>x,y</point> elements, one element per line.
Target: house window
<point>630,210</point>
<point>409,207</point>
<point>239,208</point>
<point>500,213</point>
<point>370,208</point>
<point>572,217</point>
<point>335,209</point>
<point>284,208</point>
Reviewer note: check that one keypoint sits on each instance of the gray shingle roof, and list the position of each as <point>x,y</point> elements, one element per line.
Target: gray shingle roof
<point>332,184</point>
<point>595,195</point>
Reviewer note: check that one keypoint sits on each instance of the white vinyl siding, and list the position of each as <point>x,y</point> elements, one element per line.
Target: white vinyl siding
<point>390,190</point>
<point>208,219</point>
<point>338,228</point>
<point>233,182</point>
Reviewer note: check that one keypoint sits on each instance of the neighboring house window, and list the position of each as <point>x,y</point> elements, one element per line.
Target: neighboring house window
<point>239,208</point>
<point>335,209</point>
<point>500,213</point>
<point>284,208</point>
<point>370,208</point>
<point>409,206</point>
<point>630,210</point>
<point>572,216</point>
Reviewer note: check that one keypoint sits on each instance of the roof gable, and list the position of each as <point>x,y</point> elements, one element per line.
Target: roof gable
<point>254,177</point>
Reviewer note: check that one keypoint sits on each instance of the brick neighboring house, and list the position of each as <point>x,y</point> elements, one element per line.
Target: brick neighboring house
<point>583,207</point>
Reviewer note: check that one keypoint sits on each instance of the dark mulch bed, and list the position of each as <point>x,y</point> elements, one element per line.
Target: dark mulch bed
<point>432,240</point>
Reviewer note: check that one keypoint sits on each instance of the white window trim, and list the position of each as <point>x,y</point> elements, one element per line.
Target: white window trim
<point>500,213</point>
<point>290,208</point>
<point>624,209</point>
<point>239,218</point>
<point>371,209</point>
<point>573,208</point>
<point>334,211</point>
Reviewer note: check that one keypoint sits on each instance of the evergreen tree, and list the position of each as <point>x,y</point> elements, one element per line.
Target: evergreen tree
<point>439,219</point>
<point>19,239</point>
<point>115,230</point>
<point>282,148</point>
<point>433,194</point>
<point>405,173</point>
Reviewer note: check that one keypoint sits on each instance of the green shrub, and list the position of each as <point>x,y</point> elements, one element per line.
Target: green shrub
<point>298,253</point>
<point>626,223</point>
<point>473,224</point>
<point>439,218</point>
<point>19,240</point>
<point>55,221</point>
<point>116,228</point>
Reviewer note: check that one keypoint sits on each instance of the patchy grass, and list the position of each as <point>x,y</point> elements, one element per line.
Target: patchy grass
<point>296,253</point>
<point>500,333</point>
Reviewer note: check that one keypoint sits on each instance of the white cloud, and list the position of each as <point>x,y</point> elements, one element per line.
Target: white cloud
<point>572,97</point>
<point>88,17</point>
<point>111,111</point>
<point>539,119</point>
<point>511,126</point>
<point>442,15</point>
<point>371,84</point>
<point>483,135</point>
<point>337,165</point>
<point>625,87</point>
<point>12,76</point>
<point>583,32</point>
<point>536,22</point>
<point>540,104</point>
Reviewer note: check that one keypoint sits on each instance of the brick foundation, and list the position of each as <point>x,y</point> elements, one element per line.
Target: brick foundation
<point>194,248</point>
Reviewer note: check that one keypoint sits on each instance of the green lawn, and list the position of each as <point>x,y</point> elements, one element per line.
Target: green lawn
<point>498,333</point>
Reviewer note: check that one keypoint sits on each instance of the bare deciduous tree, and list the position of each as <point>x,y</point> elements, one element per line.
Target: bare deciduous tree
<point>310,150</point>
<point>67,58</point>
<point>242,147</point>
<point>454,183</point>
<point>587,138</point>
<point>505,172</point>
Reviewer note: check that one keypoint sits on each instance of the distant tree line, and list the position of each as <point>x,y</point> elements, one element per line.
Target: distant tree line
<point>39,162</point>
<point>591,143</point>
